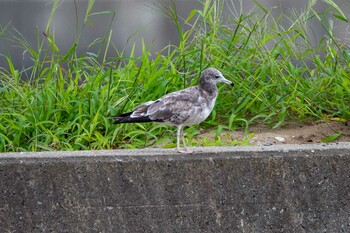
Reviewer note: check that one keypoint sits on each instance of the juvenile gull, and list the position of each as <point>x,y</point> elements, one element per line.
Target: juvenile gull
<point>181,108</point>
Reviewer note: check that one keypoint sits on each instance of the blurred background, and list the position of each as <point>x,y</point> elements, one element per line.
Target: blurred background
<point>133,20</point>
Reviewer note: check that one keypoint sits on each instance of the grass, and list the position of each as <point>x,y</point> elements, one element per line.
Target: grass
<point>64,100</point>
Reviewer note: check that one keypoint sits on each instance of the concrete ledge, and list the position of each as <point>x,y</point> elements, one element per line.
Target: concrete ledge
<point>286,188</point>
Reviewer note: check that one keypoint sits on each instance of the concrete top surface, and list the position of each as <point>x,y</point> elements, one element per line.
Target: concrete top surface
<point>145,153</point>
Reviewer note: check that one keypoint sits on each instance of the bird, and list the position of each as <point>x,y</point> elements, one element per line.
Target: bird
<point>181,108</point>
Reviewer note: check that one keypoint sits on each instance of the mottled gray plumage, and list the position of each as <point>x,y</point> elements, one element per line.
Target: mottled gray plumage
<point>181,108</point>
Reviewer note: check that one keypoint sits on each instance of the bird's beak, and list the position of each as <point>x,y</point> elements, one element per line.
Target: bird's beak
<point>224,80</point>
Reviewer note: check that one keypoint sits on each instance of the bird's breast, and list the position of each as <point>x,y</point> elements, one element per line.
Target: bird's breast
<point>201,111</point>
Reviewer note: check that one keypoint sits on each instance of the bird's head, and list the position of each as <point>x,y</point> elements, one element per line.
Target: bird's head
<point>212,76</point>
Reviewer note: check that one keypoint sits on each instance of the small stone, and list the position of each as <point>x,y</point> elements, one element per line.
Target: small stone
<point>280,139</point>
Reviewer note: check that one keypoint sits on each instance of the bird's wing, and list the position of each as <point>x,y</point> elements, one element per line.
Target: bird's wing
<point>141,110</point>
<point>176,107</point>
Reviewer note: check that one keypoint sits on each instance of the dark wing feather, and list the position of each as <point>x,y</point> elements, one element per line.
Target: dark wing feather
<point>138,115</point>
<point>124,118</point>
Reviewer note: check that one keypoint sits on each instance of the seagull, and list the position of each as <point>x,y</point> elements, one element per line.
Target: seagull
<point>186,107</point>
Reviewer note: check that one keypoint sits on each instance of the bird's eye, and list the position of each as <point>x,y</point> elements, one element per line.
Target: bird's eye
<point>217,76</point>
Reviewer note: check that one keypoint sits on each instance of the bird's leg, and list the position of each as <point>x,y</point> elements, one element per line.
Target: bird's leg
<point>178,137</point>
<point>183,138</point>
<point>180,133</point>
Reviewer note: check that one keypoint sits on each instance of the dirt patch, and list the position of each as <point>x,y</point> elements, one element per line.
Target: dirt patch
<point>291,133</point>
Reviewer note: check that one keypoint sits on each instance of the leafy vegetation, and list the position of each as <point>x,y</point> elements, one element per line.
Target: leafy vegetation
<point>65,100</point>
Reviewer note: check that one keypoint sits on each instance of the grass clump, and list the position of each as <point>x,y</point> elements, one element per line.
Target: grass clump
<point>64,100</point>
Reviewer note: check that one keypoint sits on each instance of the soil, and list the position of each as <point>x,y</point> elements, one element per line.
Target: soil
<point>290,133</point>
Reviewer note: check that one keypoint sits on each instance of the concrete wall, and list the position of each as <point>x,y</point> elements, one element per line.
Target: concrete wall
<point>288,188</point>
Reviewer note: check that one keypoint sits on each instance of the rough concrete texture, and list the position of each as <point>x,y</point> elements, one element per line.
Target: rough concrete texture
<point>287,188</point>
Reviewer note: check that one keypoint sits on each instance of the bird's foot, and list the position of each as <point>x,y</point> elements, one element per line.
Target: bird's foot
<point>184,150</point>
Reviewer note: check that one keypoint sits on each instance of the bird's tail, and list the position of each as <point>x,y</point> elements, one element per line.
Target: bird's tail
<point>126,118</point>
